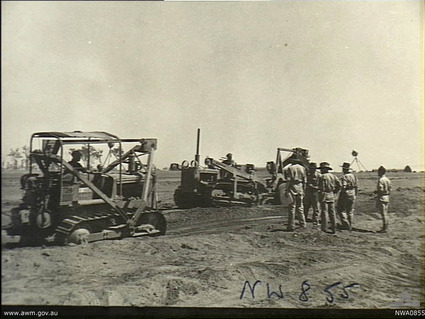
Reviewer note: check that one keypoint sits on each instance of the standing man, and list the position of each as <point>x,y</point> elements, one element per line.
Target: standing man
<point>383,197</point>
<point>311,198</point>
<point>347,196</point>
<point>329,185</point>
<point>296,179</point>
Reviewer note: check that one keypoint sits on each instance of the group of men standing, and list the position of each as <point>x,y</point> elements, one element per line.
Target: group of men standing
<point>311,189</point>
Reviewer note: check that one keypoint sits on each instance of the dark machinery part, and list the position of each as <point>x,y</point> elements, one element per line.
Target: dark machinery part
<point>198,141</point>
<point>63,204</point>
<point>276,183</point>
<point>196,183</point>
<point>236,186</point>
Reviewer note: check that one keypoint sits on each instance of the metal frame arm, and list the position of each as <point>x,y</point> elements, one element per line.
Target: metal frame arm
<point>118,161</point>
<point>236,172</point>
<point>85,181</point>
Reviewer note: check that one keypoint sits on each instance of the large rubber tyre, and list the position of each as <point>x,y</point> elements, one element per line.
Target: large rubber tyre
<point>155,219</point>
<point>185,164</point>
<point>280,194</point>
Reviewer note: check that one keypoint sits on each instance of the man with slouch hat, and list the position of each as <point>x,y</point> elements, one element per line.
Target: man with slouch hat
<point>295,185</point>
<point>311,198</point>
<point>347,196</point>
<point>329,185</point>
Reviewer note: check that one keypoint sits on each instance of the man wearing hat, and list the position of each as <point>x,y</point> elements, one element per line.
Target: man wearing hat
<point>296,178</point>
<point>75,161</point>
<point>311,198</point>
<point>229,160</point>
<point>383,197</point>
<point>349,190</point>
<point>329,185</point>
<point>68,177</point>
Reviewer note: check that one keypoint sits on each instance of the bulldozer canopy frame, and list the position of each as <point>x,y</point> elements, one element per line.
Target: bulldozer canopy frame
<point>53,147</point>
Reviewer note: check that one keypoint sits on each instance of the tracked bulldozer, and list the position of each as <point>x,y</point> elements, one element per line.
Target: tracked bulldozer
<point>217,184</point>
<point>63,203</point>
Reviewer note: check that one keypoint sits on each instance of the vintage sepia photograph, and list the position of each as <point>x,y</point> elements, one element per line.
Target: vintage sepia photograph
<point>212,159</point>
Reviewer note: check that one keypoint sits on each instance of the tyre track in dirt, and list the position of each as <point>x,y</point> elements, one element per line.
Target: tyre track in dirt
<point>221,226</point>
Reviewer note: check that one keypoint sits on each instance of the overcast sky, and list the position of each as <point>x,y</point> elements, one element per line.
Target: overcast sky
<point>328,76</point>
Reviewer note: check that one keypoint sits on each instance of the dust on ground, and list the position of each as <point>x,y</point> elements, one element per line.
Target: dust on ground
<point>209,255</point>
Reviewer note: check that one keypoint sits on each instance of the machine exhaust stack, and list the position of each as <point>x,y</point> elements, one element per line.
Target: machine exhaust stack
<point>198,140</point>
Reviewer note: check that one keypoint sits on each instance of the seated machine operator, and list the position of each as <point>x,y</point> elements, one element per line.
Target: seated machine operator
<point>75,163</point>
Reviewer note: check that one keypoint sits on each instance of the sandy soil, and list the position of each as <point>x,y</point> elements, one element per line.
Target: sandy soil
<point>209,254</point>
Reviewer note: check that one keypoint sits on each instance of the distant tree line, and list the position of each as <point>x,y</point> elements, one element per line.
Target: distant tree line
<point>407,169</point>
<point>19,158</point>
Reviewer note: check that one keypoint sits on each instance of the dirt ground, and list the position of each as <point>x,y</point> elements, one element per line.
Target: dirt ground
<point>209,255</point>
